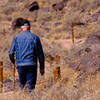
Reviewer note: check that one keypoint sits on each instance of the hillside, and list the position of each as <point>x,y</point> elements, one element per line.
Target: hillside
<point>54,22</point>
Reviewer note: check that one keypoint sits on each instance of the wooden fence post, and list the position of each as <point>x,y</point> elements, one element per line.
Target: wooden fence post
<point>57,73</point>
<point>73,36</point>
<point>1,76</point>
<point>57,59</point>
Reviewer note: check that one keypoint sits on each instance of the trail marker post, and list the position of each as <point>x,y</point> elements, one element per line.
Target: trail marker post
<point>57,71</point>
<point>57,59</point>
<point>1,76</point>
<point>73,36</point>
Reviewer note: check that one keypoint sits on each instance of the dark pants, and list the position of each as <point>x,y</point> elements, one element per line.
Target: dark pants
<point>27,76</point>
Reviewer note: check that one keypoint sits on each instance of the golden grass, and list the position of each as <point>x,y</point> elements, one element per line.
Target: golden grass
<point>55,41</point>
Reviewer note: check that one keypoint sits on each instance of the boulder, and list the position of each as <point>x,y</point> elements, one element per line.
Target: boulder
<point>89,63</point>
<point>60,5</point>
<point>33,6</point>
<point>88,58</point>
<point>46,9</point>
<point>94,38</point>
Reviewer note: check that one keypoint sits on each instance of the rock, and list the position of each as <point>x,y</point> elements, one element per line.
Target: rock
<point>88,59</point>
<point>95,17</point>
<point>85,50</point>
<point>88,50</point>
<point>60,5</point>
<point>94,38</point>
<point>33,6</point>
<point>9,10</point>
<point>78,24</point>
<point>89,63</point>
<point>46,9</point>
<point>58,23</point>
<point>74,66</point>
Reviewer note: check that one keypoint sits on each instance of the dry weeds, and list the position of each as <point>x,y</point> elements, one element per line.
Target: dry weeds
<point>54,29</point>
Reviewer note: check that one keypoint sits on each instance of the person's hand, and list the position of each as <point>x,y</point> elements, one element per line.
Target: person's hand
<point>42,71</point>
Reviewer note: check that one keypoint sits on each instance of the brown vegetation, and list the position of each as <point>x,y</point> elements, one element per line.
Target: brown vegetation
<point>79,62</point>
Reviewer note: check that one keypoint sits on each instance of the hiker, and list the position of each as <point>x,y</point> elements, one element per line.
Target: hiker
<point>28,49</point>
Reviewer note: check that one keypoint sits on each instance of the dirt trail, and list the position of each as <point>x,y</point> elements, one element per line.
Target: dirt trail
<point>67,43</point>
<point>5,96</point>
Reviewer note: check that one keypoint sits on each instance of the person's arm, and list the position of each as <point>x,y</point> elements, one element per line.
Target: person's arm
<point>41,56</point>
<point>12,51</point>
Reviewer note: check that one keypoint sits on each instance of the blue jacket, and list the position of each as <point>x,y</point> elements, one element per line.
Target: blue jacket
<point>28,48</point>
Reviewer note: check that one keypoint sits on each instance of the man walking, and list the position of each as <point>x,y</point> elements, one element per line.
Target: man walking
<point>27,48</point>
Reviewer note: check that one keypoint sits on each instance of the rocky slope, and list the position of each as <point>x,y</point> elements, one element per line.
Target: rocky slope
<point>54,22</point>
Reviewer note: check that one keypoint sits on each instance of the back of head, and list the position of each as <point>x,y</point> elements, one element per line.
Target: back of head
<point>25,23</point>
<point>18,22</point>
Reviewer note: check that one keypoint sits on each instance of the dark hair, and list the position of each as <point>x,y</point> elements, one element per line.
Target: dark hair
<point>18,22</point>
<point>25,22</point>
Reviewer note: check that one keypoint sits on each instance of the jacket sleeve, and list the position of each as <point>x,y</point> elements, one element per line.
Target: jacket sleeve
<point>40,54</point>
<point>12,51</point>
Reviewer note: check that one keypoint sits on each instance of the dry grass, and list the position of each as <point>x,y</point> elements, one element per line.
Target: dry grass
<point>70,87</point>
<point>54,29</point>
